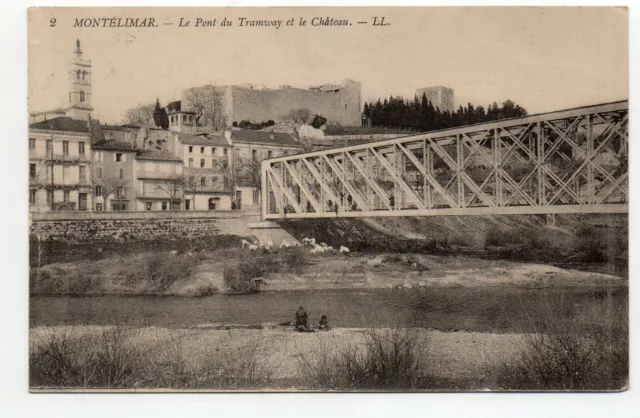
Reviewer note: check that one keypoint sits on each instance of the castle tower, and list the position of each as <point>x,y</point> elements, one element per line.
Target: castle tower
<point>80,90</point>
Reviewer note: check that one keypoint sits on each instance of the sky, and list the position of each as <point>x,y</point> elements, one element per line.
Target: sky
<point>544,59</point>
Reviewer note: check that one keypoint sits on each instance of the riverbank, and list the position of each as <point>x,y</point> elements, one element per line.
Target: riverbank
<point>206,271</point>
<point>274,359</point>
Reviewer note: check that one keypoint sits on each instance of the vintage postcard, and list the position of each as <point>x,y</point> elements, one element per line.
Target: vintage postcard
<point>328,199</point>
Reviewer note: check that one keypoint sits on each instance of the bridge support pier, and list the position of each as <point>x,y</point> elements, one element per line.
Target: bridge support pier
<point>271,231</point>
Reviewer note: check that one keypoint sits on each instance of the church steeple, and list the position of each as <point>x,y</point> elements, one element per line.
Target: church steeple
<point>80,90</point>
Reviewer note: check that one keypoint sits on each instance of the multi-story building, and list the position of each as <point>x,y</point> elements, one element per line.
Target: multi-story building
<point>439,96</point>
<point>249,149</point>
<point>113,174</point>
<point>59,165</point>
<point>159,180</point>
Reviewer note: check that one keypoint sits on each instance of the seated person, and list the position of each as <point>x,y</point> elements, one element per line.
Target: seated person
<point>324,324</point>
<point>301,320</point>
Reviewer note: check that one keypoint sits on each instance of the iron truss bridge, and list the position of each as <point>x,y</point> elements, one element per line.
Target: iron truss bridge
<point>571,161</point>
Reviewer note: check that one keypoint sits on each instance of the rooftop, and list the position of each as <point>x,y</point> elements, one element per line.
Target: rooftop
<point>113,145</point>
<point>248,136</point>
<point>63,123</point>
<point>153,155</point>
<point>203,139</point>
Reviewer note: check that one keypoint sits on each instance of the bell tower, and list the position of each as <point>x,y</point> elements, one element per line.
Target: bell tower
<point>80,90</point>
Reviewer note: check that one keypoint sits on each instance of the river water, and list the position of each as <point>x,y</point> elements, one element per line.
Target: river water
<point>493,309</point>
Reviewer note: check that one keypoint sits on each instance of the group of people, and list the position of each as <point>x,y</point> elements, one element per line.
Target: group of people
<point>302,322</point>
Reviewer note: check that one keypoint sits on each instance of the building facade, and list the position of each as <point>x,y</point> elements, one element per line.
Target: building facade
<point>59,165</point>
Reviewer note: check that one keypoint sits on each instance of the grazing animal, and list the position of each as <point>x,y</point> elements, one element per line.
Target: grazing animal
<point>312,241</point>
<point>190,254</point>
<point>344,249</point>
<point>375,262</point>
<point>253,247</point>
<point>414,265</point>
<point>330,249</point>
<point>306,241</point>
<point>322,244</point>
<point>284,244</point>
<point>173,253</point>
<point>243,242</point>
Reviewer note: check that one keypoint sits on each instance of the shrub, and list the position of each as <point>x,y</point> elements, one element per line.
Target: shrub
<point>389,359</point>
<point>558,356</point>
<point>105,360</point>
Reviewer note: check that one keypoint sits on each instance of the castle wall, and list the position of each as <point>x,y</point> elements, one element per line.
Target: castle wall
<point>341,107</point>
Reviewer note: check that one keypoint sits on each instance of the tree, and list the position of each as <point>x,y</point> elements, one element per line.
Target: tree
<point>301,115</point>
<point>231,173</point>
<point>192,182</point>
<point>160,117</point>
<point>172,187</point>
<point>208,103</point>
<point>143,113</point>
<point>108,185</point>
<point>318,121</point>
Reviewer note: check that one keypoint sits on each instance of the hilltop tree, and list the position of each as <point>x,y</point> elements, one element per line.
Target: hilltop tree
<point>301,115</point>
<point>143,113</point>
<point>160,117</point>
<point>208,103</point>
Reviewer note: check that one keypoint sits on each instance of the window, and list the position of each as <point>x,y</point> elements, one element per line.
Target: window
<point>99,156</point>
<point>190,162</point>
<point>81,148</point>
<point>202,163</point>
<point>32,197</point>
<point>164,205</point>
<point>269,154</point>
<point>65,174</point>
<point>213,151</point>
<point>149,205</point>
<point>256,196</point>
<point>81,96</point>
<point>49,196</point>
<point>78,74</point>
<point>32,143</point>
<point>84,75</point>
<point>118,157</point>
<point>65,147</point>
<point>203,181</point>
<point>184,118</point>
<point>98,190</point>
<point>201,150</point>
<point>98,207</point>
<point>120,192</point>
<point>190,149</point>
<point>254,154</point>
<point>99,172</point>
<point>121,173</point>
<point>192,180</point>
<point>345,106</point>
<point>49,146</point>
<point>225,152</point>
<point>32,171</point>
<point>82,173</point>
<point>66,195</point>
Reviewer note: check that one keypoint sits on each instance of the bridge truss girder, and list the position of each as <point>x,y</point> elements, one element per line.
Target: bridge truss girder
<point>572,161</point>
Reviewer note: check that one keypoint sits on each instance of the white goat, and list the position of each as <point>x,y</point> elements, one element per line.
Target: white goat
<point>243,242</point>
<point>344,249</point>
<point>284,244</point>
<point>253,247</point>
<point>173,253</point>
<point>306,241</point>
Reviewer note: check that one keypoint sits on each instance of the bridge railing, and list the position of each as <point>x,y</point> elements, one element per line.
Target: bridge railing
<point>571,161</point>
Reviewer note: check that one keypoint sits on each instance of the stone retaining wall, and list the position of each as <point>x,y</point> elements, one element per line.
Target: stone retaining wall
<point>106,226</point>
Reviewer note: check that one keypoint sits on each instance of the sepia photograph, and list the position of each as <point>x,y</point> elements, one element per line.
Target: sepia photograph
<point>328,199</point>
